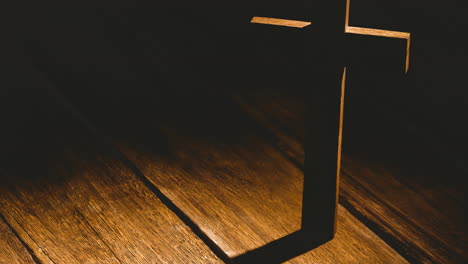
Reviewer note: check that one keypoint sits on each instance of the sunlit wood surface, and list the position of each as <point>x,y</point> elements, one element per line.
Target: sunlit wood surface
<point>69,198</point>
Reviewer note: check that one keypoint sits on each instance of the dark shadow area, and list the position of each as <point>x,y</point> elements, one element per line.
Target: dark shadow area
<point>283,249</point>
<point>432,99</point>
<point>31,137</point>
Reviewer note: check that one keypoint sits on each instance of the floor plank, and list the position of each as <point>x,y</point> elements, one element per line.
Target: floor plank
<point>69,198</point>
<point>13,252</point>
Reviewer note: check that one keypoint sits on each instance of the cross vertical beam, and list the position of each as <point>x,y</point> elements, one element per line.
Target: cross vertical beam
<point>323,122</point>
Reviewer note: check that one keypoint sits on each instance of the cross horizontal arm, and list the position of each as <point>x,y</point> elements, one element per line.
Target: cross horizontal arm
<point>280,22</point>
<point>384,33</point>
<point>377,32</point>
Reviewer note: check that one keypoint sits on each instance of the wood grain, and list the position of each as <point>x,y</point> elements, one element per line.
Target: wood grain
<point>438,238</point>
<point>98,212</point>
<point>101,216</point>
<point>12,251</point>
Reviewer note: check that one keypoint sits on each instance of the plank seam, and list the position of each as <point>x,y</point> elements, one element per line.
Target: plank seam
<point>23,243</point>
<point>391,240</point>
<point>174,208</point>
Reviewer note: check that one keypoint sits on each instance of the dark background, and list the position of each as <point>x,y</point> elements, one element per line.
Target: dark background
<point>432,98</point>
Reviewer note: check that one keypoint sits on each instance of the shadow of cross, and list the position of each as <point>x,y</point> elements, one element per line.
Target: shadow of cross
<point>324,128</point>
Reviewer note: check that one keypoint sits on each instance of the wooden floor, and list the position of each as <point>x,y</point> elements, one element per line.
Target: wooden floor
<point>150,183</point>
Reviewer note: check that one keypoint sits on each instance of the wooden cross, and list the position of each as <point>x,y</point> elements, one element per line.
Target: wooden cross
<point>324,137</point>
